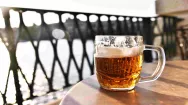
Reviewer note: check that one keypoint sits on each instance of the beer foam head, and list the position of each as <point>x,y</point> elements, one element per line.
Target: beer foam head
<point>118,46</point>
<point>118,51</point>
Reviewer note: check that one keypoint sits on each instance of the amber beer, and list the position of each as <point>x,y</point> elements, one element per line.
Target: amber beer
<point>118,72</point>
<point>118,61</point>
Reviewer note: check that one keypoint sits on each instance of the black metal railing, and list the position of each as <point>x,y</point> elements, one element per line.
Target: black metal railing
<point>76,29</point>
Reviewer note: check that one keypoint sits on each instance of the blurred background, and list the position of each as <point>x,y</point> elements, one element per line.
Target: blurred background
<point>47,46</point>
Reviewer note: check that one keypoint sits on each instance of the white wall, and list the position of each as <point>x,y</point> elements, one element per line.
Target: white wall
<point>123,7</point>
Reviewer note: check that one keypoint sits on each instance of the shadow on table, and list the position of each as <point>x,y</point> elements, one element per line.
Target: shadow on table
<point>175,66</point>
<point>173,82</point>
<point>162,79</point>
<point>71,101</point>
<point>139,96</point>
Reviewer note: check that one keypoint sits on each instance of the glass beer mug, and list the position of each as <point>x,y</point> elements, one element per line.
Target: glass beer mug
<point>118,61</point>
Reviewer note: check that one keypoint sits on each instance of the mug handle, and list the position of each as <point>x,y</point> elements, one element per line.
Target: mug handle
<point>160,66</point>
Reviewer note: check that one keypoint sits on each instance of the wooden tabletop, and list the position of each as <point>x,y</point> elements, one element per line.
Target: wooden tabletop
<point>170,89</point>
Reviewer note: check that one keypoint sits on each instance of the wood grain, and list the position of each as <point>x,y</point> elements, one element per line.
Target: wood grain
<point>170,89</point>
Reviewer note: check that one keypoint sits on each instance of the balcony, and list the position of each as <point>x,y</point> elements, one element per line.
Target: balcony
<point>46,58</point>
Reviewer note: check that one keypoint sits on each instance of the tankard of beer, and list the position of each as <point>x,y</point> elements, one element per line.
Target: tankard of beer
<point>118,61</point>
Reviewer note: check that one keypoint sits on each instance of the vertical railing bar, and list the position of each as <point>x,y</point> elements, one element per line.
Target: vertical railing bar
<point>174,32</point>
<point>6,86</point>
<point>164,32</point>
<point>74,59</point>
<point>100,30</point>
<point>78,28</point>
<point>20,31</point>
<point>40,63</point>
<point>110,29</point>
<point>81,67</point>
<point>65,74</point>
<point>131,25</point>
<point>45,74</point>
<point>12,52</point>
<point>89,27</point>
<point>141,28</point>
<point>54,45</point>
<point>83,45</point>
<point>77,67</point>
<point>54,61</point>
<point>126,26</point>
<point>89,63</point>
<point>23,24</point>
<point>171,36</point>
<point>87,58</point>
<point>23,75</point>
<point>70,46</point>
<point>33,79</point>
<point>52,70</point>
<point>86,55</point>
<point>69,41</point>
<point>42,68</point>
<point>118,27</point>
<point>36,53</point>
<point>68,69</point>
<point>61,23</point>
<point>37,60</point>
<point>167,37</point>
<point>138,26</point>
<point>35,49</point>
